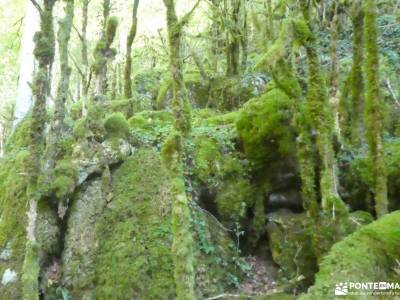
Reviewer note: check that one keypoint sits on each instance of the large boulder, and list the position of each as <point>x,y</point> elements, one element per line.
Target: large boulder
<point>119,238</point>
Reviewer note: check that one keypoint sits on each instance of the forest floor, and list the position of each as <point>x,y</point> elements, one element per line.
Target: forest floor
<point>263,279</point>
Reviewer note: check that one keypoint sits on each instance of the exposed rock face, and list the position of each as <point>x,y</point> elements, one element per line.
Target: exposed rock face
<point>290,199</point>
<point>118,244</point>
<point>79,255</point>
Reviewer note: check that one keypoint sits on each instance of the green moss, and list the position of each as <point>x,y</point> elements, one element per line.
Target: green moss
<point>264,126</point>
<point>151,127</point>
<point>228,93</point>
<point>208,160</point>
<point>20,137</point>
<point>291,248</point>
<point>13,203</point>
<point>116,125</point>
<point>137,235</point>
<point>368,255</point>
<point>76,110</point>
<point>373,109</point>
<point>80,131</point>
<point>163,93</point>
<point>66,176</point>
<point>234,198</point>
<point>30,271</point>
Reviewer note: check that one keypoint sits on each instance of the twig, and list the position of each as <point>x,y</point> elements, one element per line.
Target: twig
<point>76,65</point>
<point>78,33</point>
<point>389,86</point>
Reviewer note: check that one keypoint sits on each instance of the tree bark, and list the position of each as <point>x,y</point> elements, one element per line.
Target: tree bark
<point>128,58</point>
<point>44,54</point>
<point>27,63</point>
<point>373,110</point>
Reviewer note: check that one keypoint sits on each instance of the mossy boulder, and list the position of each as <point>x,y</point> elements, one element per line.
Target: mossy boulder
<point>81,240</point>
<point>298,243</point>
<point>119,238</point>
<point>264,126</point>
<point>116,126</point>
<point>371,254</point>
<point>291,248</point>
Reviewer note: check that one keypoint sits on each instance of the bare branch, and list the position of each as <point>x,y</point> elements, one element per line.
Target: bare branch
<point>186,18</point>
<point>76,65</point>
<point>37,6</point>
<point>78,33</point>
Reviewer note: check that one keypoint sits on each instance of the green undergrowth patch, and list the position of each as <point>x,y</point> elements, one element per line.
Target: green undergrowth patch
<point>151,127</point>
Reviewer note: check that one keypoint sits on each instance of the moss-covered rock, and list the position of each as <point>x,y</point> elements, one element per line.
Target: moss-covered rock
<point>116,126</point>
<point>118,241</point>
<point>291,247</point>
<point>81,240</point>
<point>13,220</point>
<point>368,255</point>
<point>264,126</point>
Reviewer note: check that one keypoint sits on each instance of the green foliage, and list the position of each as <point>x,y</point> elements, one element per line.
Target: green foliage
<point>264,126</point>
<point>151,127</point>
<point>116,126</point>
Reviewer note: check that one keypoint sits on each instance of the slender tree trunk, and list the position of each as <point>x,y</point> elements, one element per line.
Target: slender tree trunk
<point>373,110</point>
<point>27,63</point>
<point>57,130</point>
<point>215,35</point>
<point>233,38</point>
<point>321,120</point>
<point>44,54</point>
<point>84,49</point>
<point>128,58</point>
<point>103,54</point>
<point>244,40</point>
<point>182,247</point>
<point>357,80</point>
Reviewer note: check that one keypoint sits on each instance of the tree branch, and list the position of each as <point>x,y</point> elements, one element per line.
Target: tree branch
<point>37,6</point>
<point>77,66</point>
<point>78,33</point>
<point>185,19</point>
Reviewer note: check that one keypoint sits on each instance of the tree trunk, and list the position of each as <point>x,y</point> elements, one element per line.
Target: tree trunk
<point>84,50</point>
<point>44,54</point>
<point>128,59</point>
<point>373,110</point>
<point>57,130</point>
<point>103,53</point>
<point>27,63</point>
<point>182,246</point>
<point>357,80</point>
<point>321,120</point>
